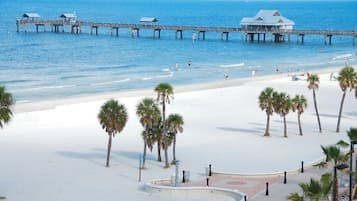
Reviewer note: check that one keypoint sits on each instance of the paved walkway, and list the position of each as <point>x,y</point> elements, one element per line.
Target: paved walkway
<point>255,186</point>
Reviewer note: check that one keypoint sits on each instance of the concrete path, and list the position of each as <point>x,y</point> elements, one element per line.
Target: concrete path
<point>255,186</point>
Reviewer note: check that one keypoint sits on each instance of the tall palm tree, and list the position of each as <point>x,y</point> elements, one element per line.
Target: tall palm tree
<point>299,103</point>
<point>113,117</point>
<point>6,101</point>
<point>334,155</point>
<point>149,113</point>
<point>282,106</point>
<point>157,132</point>
<point>346,79</point>
<point>314,81</point>
<point>164,95</point>
<point>266,104</point>
<point>175,123</point>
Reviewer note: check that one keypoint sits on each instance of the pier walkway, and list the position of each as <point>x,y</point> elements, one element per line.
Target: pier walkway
<point>75,27</point>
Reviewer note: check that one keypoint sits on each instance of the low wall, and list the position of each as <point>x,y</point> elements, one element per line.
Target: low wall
<point>163,185</point>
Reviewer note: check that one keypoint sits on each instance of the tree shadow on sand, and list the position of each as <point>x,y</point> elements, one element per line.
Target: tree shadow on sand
<point>257,131</point>
<point>89,156</point>
<point>133,155</point>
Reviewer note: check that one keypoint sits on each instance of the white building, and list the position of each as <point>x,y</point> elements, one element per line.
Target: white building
<point>267,20</point>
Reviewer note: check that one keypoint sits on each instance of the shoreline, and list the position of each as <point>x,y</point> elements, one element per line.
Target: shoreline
<point>53,103</point>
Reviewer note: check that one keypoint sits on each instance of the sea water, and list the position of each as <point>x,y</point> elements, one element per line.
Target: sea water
<point>42,66</point>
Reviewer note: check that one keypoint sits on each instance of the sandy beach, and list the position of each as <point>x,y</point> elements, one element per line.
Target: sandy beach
<point>55,150</point>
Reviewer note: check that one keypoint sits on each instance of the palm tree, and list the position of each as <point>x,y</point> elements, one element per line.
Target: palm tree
<point>164,95</point>
<point>175,123</point>
<point>282,106</point>
<point>113,117</point>
<point>314,82</point>
<point>334,154</point>
<point>299,103</point>
<point>266,104</point>
<point>149,113</point>
<point>157,137</point>
<point>296,197</point>
<point>6,101</point>
<point>346,78</point>
<point>314,190</point>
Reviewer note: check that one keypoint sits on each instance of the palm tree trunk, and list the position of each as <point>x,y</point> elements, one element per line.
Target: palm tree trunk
<point>144,155</point>
<point>335,186</point>
<point>159,151</point>
<point>317,112</point>
<point>164,134</point>
<point>267,128</point>
<point>300,130</point>
<point>174,149</point>
<point>340,113</point>
<point>285,132</point>
<point>109,148</point>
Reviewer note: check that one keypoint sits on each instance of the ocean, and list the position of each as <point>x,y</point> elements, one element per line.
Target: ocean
<point>45,66</point>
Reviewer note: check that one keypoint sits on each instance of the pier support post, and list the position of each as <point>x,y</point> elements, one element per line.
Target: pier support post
<point>36,28</point>
<point>135,32</point>
<point>179,31</point>
<point>264,37</point>
<point>302,38</point>
<point>224,36</point>
<point>203,35</point>
<point>158,33</point>
<point>251,35</point>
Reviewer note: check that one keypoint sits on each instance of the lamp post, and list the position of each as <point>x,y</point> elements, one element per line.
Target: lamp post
<point>335,184</point>
<point>352,143</point>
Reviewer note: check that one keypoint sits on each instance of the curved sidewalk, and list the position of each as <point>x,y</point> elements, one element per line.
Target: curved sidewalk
<point>254,186</point>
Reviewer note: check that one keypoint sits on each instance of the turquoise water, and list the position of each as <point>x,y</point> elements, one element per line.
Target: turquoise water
<point>56,65</point>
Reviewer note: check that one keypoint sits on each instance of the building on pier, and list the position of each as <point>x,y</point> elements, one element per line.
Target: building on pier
<point>31,16</point>
<point>267,20</point>
<point>68,17</point>
<point>149,20</point>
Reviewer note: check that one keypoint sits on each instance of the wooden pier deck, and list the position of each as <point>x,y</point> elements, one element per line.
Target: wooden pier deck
<point>250,35</point>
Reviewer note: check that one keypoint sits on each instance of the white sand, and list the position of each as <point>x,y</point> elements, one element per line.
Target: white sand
<point>56,150</point>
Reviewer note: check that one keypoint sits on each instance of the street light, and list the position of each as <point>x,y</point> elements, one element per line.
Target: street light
<point>339,167</point>
<point>352,143</point>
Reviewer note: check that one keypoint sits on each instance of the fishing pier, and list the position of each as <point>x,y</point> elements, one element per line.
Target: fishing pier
<point>68,23</point>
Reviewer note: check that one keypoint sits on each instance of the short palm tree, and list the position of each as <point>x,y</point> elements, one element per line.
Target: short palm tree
<point>314,190</point>
<point>299,104</point>
<point>6,101</point>
<point>334,155</point>
<point>164,95</point>
<point>112,117</point>
<point>282,106</point>
<point>314,81</point>
<point>346,79</point>
<point>174,123</point>
<point>149,113</point>
<point>266,104</point>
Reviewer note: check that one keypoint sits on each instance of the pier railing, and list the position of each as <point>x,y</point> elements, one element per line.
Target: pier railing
<point>278,35</point>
